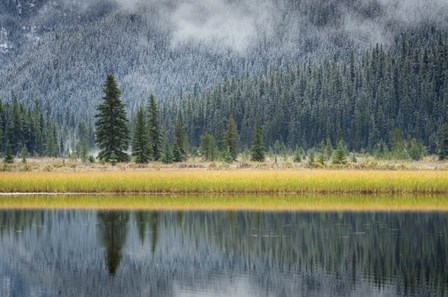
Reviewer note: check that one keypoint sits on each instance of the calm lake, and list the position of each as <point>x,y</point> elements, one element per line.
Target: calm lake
<point>222,253</point>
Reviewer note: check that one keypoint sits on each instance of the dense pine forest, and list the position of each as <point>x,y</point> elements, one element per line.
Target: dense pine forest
<point>303,77</point>
<point>381,101</point>
<point>388,102</point>
<point>28,132</point>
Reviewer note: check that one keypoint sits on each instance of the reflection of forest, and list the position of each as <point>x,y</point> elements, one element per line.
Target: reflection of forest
<point>409,250</point>
<point>405,250</point>
<point>112,230</point>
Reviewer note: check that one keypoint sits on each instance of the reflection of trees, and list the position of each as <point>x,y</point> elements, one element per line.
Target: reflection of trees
<point>406,250</point>
<point>112,233</point>
<point>143,219</point>
<point>155,218</point>
<point>19,220</point>
<point>409,250</point>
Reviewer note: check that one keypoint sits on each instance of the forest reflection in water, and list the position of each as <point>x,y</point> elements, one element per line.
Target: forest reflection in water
<point>153,253</point>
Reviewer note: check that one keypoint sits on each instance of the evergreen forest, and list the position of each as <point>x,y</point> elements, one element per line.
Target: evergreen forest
<point>390,102</point>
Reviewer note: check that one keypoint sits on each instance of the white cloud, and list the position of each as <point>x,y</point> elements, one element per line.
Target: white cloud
<point>227,24</point>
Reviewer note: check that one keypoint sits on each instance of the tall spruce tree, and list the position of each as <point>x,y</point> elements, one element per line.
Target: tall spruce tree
<point>112,132</point>
<point>231,138</point>
<point>155,135</point>
<point>140,140</point>
<point>443,142</point>
<point>257,146</point>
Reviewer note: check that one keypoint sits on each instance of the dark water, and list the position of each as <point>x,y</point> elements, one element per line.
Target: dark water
<point>75,253</point>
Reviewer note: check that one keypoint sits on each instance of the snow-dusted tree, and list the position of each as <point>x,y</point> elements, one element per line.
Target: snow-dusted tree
<point>112,132</point>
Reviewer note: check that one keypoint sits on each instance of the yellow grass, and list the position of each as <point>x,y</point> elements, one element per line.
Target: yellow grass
<point>226,181</point>
<point>309,203</point>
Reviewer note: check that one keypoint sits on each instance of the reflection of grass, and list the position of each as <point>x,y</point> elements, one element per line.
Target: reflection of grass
<point>228,181</point>
<point>229,203</point>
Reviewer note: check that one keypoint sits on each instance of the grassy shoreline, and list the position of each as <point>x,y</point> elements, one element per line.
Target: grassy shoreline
<point>276,203</point>
<point>199,181</point>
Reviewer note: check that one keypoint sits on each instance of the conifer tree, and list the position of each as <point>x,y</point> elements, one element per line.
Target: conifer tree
<point>112,133</point>
<point>231,138</point>
<point>226,155</point>
<point>113,159</point>
<point>40,133</point>
<point>167,156</point>
<point>155,136</point>
<point>257,146</point>
<point>397,144</point>
<point>340,156</point>
<point>443,142</point>
<point>322,152</point>
<point>9,158</point>
<point>329,149</point>
<point>311,158</point>
<point>415,150</point>
<point>51,144</point>
<point>208,147</point>
<point>179,153</point>
<point>17,127</point>
<point>140,141</point>
<point>298,154</point>
<point>84,150</point>
<point>82,147</point>
<point>381,150</point>
<point>277,149</point>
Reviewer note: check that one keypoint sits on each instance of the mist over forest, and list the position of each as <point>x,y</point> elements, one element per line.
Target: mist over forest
<point>59,52</point>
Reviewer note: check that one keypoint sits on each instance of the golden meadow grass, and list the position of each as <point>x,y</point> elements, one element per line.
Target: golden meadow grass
<point>273,203</point>
<point>226,181</point>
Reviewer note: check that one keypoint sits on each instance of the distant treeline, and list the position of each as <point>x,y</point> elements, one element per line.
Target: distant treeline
<point>375,100</point>
<point>391,103</point>
<point>27,131</point>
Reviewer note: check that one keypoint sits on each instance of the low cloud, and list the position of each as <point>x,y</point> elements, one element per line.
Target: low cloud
<point>228,24</point>
<point>239,24</point>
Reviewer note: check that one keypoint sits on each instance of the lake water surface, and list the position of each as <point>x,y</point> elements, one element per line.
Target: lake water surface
<point>221,253</point>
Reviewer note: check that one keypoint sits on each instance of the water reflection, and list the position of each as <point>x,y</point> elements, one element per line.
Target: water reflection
<point>72,253</point>
<point>112,232</point>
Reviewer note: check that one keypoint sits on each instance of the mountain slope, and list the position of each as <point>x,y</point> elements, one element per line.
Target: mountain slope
<point>60,51</point>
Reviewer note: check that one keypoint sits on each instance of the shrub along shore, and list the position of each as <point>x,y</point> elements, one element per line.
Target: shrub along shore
<point>200,181</point>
